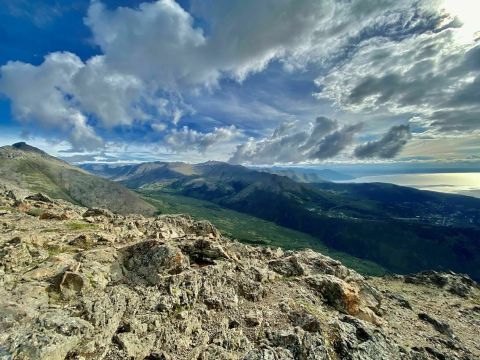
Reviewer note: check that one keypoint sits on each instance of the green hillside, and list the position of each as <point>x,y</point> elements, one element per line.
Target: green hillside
<point>403,229</point>
<point>29,168</point>
<point>250,229</point>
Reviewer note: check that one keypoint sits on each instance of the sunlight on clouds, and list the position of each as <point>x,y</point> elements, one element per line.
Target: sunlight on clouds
<point>467,12</point>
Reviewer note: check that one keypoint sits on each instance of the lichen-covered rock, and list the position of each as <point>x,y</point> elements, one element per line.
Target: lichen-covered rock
<point>152,260</point>
<point>341,295</point>
<point>39,197</point>
<point>101,286</point>
<point>288,266</point>
<point>355,339</point>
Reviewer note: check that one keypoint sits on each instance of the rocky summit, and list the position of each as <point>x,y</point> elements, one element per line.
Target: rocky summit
<point>85,283</point>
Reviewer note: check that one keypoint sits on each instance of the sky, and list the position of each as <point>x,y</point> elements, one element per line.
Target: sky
<point>282,82</point>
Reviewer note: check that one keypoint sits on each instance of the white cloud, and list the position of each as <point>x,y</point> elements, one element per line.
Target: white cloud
<point>112,97</point>
<point>186,138</point>
<point>154,53</point>
<point>429,75</point>
<point>40,93</point>
<point>290,143</point>
<point>156,41</point>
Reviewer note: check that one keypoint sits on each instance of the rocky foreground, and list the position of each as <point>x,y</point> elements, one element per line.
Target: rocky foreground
<point>79,283</point>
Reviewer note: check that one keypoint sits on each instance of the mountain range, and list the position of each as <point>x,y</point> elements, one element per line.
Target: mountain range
<point>400,228</point>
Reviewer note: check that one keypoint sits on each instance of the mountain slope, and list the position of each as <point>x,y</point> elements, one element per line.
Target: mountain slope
<point>402,229</point>
<point>24,166</point>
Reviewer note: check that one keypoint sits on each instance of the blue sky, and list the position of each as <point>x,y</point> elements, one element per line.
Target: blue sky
<point>250,82</point>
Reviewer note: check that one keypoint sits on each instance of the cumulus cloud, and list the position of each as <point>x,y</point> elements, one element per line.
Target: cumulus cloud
<point>156,48</point>
<point>40,93</point>
<point>388,146</point>
<point>186,138</point>
<point>324,138</point>
<point>156,41</point>
<point>396,56</point>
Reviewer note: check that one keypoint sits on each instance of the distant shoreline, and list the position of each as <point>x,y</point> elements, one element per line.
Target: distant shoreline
<point>464,183</point>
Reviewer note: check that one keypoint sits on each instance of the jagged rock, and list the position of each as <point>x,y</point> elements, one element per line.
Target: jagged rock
<point>134,346</point>
<point>184,288</point>
<point>297,344</point>
<point>305,320</point>
<point>205,228</point>
<point>355,339</point>
<point>83,241</point>
<point>93,212</point>
<point>39,197</point>
<point>71,284</point>
<point>131,287</point>
<point>214,352</point>
<point>4,212</point>
<point>400,300</point>
<point>47,215</point>
<point>458,284</point>
<point>319,264</point>
<point>205,252</point>
<point>253,319</point>
<point>440,326</point>
<point>15,254</point>
<point>264,353</point>
<point>251,290</point>
<point>151,260</point>
<point>288,266</point>
<point>342,296</point>
<point>157,356</point>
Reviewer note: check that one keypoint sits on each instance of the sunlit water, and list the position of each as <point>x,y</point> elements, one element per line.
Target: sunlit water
<point>458,183</point>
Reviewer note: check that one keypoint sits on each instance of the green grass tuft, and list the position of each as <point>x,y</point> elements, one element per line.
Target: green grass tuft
<point>74,225</point>
<point>35,212</point>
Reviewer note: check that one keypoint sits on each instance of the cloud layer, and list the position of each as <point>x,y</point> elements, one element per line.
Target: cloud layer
<point>430,76</point>
<point>385,58</point>
<point>323,139</point>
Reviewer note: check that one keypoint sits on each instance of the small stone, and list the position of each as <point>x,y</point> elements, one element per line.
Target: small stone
<point>252,319</point>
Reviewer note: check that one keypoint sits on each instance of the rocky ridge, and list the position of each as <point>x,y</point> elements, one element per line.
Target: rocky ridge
<point>79,283</point>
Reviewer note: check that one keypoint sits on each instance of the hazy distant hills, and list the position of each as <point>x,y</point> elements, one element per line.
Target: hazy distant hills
<point>30,168</point>
<point>307,175</point>
<point>401,228</point>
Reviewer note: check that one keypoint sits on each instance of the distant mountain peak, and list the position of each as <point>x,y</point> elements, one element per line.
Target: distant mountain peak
<point>213,162</point>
